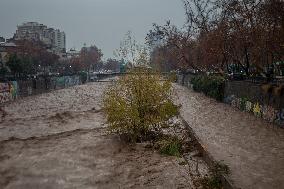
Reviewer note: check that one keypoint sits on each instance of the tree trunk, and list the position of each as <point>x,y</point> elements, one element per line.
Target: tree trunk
<point>247,62</point>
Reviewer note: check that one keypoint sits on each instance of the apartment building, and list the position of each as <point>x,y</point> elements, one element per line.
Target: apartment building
<point>53,38</point>
<point>59,40</point>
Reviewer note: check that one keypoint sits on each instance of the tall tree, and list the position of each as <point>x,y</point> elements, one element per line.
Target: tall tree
<point>219,33</point>
<point>90,57</point>
<point>132,52</point>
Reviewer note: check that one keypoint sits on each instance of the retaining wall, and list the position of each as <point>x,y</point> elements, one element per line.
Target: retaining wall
<point>250,97</point>
<point>13,89</point>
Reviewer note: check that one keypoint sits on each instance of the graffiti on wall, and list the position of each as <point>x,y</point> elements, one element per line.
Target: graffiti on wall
<point>257,110</point>
<point>67,81</point>
<point>60,82</point>
<point>248,106</point>
<point>4,87</point>
<point>5,97</point>
<point>269,113</point>
<point>72,81</point>
<point>280,117</point>
<point>8,91</point>
<point>264,111</point>
<point>11,90</point>
<point>4,92</point>
<point>14,89</point>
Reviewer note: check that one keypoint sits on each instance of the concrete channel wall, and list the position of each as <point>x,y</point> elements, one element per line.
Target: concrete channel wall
<point>11,90</point>
<point>250,97</point>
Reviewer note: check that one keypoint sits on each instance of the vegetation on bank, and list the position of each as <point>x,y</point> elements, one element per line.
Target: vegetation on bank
<point>210,85</point>
<point>139,108</point>
<point>235,37</point>
<point>170,145</point>
<point>214,181</point>
<point>29,59</point>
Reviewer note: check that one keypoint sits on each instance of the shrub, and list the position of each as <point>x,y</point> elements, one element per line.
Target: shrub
<point>212,86</point>
<point>170,145</point>
<point>217,170</point>
<point>243,103</point>
<point>197,83</point>
<point>173,77</point>
<point>83,77</point>
<point>138,105</point>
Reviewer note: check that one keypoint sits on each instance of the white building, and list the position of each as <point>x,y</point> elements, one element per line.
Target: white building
<point>59,41</point>
<point>73,53</point>
<point>53,38</point>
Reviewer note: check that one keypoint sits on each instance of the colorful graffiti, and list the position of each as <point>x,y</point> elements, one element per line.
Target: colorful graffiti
<point>264,111</point>
<point>4,92</point>
<point>67,81</point>
<point>72,81</point>
<point>4,87</point>
<point>60,82</point>
<point>5,97</point>
<point>280,117</point>
<point>249,106</point>
<point>8,91</point>
<point>12,89</point>
<point>257,110</point>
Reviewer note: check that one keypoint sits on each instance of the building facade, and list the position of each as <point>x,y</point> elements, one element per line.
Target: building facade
<point>59,40</point>
<point>2,40</point>
<point>54,39</point>
<point>5,48</point>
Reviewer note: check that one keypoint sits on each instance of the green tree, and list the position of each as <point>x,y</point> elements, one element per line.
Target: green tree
<point>139,105</point>
<point>15,65</point>
<point>3,71</point>
<point>27,65</point>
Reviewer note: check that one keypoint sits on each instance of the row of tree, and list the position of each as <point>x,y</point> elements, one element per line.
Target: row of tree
<point>223,36</point>
<point>90,60</point>
<point>29,58</point>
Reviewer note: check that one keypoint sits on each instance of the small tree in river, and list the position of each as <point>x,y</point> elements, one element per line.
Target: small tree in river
<point>139,105</point>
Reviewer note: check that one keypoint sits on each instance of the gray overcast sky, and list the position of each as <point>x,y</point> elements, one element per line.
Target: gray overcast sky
<point>99,22</point>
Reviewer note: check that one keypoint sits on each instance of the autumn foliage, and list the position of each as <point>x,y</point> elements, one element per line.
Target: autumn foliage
<point>221,34</point>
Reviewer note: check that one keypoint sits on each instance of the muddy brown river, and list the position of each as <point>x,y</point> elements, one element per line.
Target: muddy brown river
<point>59,140</point>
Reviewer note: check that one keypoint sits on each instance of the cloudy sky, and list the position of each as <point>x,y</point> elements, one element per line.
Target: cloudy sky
<point>99,22</point>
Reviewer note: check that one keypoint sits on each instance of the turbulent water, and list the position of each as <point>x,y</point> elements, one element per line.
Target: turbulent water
<point>59,140</point>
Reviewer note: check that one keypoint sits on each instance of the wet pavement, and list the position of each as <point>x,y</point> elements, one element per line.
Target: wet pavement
<point>252,148</point>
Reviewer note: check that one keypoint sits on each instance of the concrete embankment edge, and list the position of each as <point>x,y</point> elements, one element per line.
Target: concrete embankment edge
<point>209,159</point>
